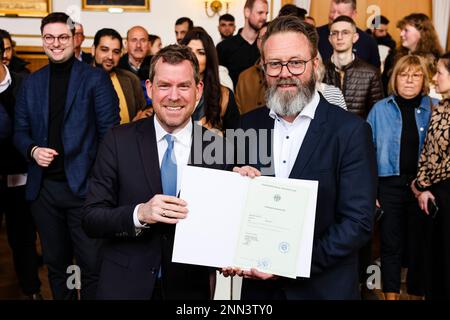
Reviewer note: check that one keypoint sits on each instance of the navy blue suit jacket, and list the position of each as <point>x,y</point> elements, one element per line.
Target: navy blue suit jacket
<point>91,108</point>
<point>5,123</point>
<point>125,174</point>
<point>366,48</point>
<point>338,152</point>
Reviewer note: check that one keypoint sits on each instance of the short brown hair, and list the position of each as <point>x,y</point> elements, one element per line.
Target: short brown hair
<point>250,3</point>
<point>352,2</point>
<point>58,17</point>
<point>175,54</point>
<point>292,24</point>
<point>405,63</point>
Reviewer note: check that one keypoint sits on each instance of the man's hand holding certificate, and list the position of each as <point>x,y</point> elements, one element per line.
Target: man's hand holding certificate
<point>264,223</point>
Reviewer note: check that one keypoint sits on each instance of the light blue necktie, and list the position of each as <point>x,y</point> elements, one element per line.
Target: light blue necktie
<point>169,168</point>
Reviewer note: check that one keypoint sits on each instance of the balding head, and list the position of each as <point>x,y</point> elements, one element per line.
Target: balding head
<point>137,43</point>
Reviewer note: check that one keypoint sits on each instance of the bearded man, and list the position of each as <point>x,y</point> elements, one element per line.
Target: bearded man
<point>312,139</point>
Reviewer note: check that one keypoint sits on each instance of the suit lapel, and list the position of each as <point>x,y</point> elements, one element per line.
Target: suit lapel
<point>311,141</point>
<point>269,125</point>
<point>127,89</point>
<point>74,83</point>
<point>146,138</point>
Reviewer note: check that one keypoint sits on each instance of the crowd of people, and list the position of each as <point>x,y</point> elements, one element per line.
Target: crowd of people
<point>94,147</point>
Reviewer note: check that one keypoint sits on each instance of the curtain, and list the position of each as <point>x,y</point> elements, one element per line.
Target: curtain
<point>441,19</point>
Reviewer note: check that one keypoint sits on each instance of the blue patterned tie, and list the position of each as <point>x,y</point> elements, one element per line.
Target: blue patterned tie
<point>169,168</point>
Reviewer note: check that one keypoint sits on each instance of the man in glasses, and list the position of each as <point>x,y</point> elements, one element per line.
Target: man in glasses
<point>312,139</point>
<point>359,81</point>
<point>62,112</point>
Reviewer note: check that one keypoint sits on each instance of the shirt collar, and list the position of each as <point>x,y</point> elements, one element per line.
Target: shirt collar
<point>7,80</point>
<point>308,111</point>
<point>182,136</point>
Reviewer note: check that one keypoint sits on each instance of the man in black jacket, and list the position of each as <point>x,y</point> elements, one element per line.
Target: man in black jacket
<point>358,80</point>
<point>20,227</point>
<point>365,47</point>
<point>9,59</point>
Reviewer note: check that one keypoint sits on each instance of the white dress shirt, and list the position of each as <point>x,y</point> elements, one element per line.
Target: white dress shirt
<point>7,81</point>
<point>182,149</point>
<point>288,137</point>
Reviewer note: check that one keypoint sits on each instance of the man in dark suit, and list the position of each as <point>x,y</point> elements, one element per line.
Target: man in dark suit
<point>107,49</point>
<point>365,48</point>
<point>20,227</point>
<point>132,192</point>
<point>312,140</point>
<point>62,112</point>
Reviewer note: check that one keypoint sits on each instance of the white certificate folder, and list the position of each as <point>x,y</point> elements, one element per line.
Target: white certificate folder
<point>265,223</point>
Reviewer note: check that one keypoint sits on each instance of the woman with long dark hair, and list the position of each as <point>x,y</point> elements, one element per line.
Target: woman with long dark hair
<point>217,108</point>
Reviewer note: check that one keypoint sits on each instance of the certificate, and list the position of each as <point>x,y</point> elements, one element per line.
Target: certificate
<point>264,223</point>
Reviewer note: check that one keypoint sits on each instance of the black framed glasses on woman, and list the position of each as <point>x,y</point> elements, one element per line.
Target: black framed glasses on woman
<point>295,67</point>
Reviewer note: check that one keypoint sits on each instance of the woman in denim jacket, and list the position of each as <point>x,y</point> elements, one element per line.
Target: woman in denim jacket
<point>399,125</point>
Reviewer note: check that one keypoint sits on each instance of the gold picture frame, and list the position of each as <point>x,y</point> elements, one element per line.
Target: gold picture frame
<point>25,8</point>
<point>125,5</point>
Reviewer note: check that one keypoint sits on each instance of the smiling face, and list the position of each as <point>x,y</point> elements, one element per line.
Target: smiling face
<point>288,94</point>
<point>107,53</point>
<point>56,51</point>
<point>174,93</point>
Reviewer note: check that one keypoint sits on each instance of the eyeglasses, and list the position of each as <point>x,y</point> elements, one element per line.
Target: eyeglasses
<point>414,76</point>
<point>295,67</point>
<point>79,34</point>
<point>63,38</point>
<point>343,33</point>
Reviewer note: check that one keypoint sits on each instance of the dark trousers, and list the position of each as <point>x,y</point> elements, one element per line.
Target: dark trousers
<point>58,212</point>
<point>402,235</point>
<point>438,253</point>
<point>21,233</point>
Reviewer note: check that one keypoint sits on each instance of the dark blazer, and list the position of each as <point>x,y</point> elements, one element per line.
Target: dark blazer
<point>5,123</point>
<point>125,174</point>
<point>87,58</point>
<point>91,108</point>
<point>131,87</point>
<point>366,48</point>
<point>338,152</point>
<point>144,69</point>
<point>13,162</point>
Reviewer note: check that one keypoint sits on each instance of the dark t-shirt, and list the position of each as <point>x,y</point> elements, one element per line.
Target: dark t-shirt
<point>236,54</point>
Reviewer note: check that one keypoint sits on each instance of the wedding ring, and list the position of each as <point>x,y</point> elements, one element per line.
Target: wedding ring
<point>163,213</point>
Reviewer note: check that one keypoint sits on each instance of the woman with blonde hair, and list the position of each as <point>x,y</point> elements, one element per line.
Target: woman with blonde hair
<point>432,188</point>
<point>399,125</point>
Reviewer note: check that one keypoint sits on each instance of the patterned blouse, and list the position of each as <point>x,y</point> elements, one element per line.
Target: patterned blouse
<point>434,163</point>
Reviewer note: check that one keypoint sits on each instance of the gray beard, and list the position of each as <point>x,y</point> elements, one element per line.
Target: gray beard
<point>290,104</point>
